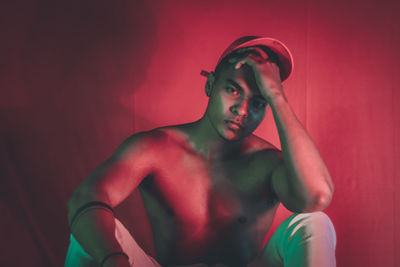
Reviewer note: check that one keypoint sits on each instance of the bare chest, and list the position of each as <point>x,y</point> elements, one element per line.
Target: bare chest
<point>194,204</point>
<point>203,192</point>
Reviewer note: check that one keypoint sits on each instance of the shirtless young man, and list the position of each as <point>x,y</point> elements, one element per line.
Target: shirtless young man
<point>215,185</point>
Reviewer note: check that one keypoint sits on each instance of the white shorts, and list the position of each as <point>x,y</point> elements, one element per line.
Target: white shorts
<point>305,239</point>
<point>77,256</point>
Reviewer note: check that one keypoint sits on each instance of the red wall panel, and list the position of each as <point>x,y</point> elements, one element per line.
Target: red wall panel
<point>81,76</point>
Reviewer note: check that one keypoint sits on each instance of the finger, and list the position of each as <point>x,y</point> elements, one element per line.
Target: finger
<point>239,65</point>
<point>253,59</point>
<point>255,50</point>
<point>248,60</point>
<point>261,53</point>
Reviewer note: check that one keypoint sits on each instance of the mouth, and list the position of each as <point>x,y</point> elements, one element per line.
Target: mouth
<point>234,125</point>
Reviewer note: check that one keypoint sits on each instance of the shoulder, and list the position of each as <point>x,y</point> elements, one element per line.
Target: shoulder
<point>143,139</point>
<point>155,140</point>
<point>253,143</point>
<point>140,143</point>
<point>263,150</point>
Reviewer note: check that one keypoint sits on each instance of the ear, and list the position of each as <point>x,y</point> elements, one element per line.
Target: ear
<point>210,83</point>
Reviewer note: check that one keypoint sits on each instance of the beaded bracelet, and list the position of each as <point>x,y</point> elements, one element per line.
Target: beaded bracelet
<point>113,254</point>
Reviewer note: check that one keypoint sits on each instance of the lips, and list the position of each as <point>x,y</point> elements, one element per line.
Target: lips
<point>234,125</point>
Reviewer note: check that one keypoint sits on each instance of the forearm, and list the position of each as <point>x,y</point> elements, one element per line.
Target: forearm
<point>307,173</point>
<point>94,228</point>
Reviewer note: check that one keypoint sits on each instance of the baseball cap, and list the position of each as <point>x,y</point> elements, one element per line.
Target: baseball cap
<point>284,55</point>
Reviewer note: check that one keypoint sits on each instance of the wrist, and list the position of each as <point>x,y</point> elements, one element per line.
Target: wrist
<point>276,97</point>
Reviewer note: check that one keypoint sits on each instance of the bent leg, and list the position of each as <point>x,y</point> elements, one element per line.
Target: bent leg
<point>305,239</point>
<point>77,256</point>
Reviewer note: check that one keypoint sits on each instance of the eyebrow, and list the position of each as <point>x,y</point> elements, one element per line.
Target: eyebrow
<point>235,84</point>
<point>258,96</point>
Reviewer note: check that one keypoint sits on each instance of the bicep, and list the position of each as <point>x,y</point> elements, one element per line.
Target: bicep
<point>285,190</point>
<point>117,177</point>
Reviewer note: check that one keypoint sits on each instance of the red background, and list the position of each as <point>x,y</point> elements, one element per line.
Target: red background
<point>79,77</point>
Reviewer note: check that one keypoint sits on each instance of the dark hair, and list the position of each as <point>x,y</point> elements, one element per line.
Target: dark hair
<point>238,53</point>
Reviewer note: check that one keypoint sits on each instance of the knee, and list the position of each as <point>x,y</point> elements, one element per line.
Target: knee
<point>319,216</point>
<point>301,237</point>
<point>312,224</point>
<point>321,220</point>
<point>313,219</point>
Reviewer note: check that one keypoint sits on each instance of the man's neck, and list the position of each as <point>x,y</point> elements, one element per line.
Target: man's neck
<point>208,142</point>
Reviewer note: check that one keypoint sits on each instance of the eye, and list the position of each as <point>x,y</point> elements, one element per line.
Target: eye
<point>259,104</point>
<point>232,91</point>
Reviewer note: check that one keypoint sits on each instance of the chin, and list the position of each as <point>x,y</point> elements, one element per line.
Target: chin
<point>230,135</point>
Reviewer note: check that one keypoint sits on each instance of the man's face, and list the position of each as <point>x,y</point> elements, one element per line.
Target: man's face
<point>236,106</point>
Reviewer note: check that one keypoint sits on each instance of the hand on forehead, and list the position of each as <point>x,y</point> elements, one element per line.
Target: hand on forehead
<point>253,52</point>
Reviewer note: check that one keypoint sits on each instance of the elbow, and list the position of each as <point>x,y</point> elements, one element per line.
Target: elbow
<point>321,197</point>
<point>316,198</point>
<point>308,204</point>
<point>318,202</point>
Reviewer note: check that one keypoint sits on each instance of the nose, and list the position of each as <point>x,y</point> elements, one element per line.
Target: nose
<point>241,108</point>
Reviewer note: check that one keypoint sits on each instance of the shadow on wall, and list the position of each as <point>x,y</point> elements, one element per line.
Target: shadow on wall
<point>71,66</point>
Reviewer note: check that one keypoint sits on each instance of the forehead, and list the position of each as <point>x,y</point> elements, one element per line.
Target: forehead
<point>243,77</point>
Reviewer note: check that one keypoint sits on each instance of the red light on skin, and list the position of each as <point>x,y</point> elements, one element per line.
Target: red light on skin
<point>260,56</point>
<point>234,126</point>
